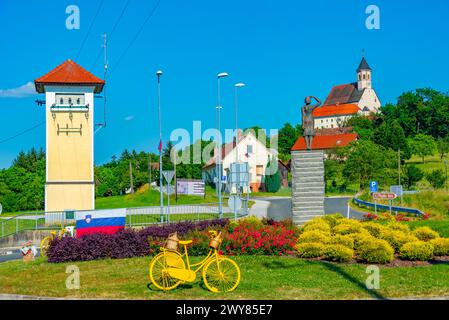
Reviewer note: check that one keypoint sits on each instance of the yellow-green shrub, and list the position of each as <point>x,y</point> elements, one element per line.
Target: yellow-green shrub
<point>372,250</point>
<point>318,224</point>
<point>373,228</point>
<point>395,238</point>
<point>360,237</point>
<point>347,226</point>
<point>417,250</point>
<point>425,233</point>
<point>314,236</point>
<point>310,249</point>
<point>344,240</point>
<point>440,246</point>
<point>338,253</point>
<point>332,219</point>
<point>395,225</point>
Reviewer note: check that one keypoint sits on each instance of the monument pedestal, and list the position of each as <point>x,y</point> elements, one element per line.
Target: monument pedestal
<point>308,187</point>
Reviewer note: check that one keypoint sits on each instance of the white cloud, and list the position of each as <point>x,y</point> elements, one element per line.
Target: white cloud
<point>24,91</point>
<point>129,118</point>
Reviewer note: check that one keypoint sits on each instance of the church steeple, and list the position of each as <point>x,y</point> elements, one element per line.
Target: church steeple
<point>363,75</point>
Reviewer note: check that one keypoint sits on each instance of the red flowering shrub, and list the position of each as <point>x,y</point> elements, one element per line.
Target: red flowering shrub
<point>272,239</point>
<point>371,216</point>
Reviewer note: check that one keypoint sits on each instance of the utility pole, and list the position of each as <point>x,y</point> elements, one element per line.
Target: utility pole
<point>158,74</point>
<point>399,172</point>
<point>131,177</point>
<point>176,185</point>
<point>149,171</point>
<point>105,46</point>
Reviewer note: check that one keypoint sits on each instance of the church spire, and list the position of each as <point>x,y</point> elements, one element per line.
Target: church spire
<point>363,65</point>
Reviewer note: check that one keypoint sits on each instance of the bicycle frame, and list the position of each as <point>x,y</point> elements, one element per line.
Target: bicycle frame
<point>213,253</point>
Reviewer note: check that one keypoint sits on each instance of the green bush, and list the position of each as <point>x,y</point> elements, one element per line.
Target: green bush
<point>425,233</point>
<point>332,219</point>
<point>417,250</point>
<point>347,226</point>
<point>394,225</point>
<point>318,224</point>
<point>396,238</point>
<point>372,250</point>
<point>373,228</point>
<point>360,237</point>
<point>440,246</point>
<point>314,236</point>
<point>338,253</point>
<point>310,250</point>
<point>344,240</point>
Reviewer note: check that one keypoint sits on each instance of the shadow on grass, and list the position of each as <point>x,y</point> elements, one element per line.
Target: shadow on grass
<point>288,264</point>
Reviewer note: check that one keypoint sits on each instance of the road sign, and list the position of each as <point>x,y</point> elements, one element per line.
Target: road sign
<point>384,196</point>
<point>168,175</point>
<point>235,203</point>
<point>396,189</point>
<point>373,186</point>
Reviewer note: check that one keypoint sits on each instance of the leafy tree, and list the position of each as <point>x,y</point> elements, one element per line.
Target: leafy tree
<point>443,146</point>
<point>272,177</point>
<point>436,178</point>
<point>331,170</point>
<point>367,160</point>
<point>287,137</point>
<point>412,176</point>
<point>362,125</point>
<point>422,145</point>
<point>391,135</point>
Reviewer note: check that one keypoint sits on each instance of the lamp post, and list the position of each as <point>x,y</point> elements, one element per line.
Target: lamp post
<point>236,87</point>
<point>218,162</point>
<point>445,182</point>
<point>158,74</point>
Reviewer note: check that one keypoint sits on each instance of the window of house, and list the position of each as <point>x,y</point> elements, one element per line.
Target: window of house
<point>332,125</point>
<point>249,149</point>
<point>61,101</point>
<point>321,120</point>
<point>69,98</point>
<point>360,77</point>
<point>368,75</point>
<point>259,170</point>
<point>364,77</point>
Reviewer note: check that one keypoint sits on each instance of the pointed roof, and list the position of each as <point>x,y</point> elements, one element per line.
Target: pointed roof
<point>363,65</point>
<point>69,73</point>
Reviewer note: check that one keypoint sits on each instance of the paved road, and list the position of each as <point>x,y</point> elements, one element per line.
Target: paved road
<point>280,207</point>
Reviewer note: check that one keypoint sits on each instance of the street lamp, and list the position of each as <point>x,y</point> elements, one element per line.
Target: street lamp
<point>158,74</point>
<point>445,183</point>
<point>218,162</point>
<point>236,87</point>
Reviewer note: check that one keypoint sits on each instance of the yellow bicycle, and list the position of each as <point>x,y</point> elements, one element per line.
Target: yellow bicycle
<point>45,243</point>
<point>169,268</point>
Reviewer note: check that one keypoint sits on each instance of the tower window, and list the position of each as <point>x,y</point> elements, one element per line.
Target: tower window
<point>363,77</point>
<point>61,101</point>
<point>78,101</point>
<point>360,78</point>
<point>70,100</point>
<point>368,75</point>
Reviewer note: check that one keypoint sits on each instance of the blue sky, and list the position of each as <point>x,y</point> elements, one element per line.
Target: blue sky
<point>282,50</point>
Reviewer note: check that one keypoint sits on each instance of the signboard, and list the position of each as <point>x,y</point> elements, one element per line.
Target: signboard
<point>384,196</point>
<point>235,203</point>
<point>373,186</point>
<point>190,187</point>
<point>396,189</point>
<point>168,175</point>
<point>239,174</point>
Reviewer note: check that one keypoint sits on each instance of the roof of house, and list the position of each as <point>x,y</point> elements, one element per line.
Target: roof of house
<point>363,65</point>
<point>344,94</point>
<point>69,73</point>
<point>332,131</point>
<point>335,110</point>
<point>326,142</point>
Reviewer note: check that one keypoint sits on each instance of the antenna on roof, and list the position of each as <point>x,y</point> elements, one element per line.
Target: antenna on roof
<point>363,53</point>
<point>105,68</point>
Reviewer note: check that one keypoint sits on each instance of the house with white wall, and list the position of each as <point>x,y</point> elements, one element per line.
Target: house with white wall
<point>248,149</point>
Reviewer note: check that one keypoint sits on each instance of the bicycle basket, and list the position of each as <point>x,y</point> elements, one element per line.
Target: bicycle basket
<point>215,242</point>
<point>172,241</point>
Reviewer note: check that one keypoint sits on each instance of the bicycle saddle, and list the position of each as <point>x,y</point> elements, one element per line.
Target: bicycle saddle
<point>185,242</point>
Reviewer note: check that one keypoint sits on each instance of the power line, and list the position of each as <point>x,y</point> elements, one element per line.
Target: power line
<point>136,35</point>
<point>22,132</point>
<point>90,28</point>
<point>112,31</point>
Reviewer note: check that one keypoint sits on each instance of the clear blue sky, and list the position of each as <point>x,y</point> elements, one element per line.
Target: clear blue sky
<point>282,50</point>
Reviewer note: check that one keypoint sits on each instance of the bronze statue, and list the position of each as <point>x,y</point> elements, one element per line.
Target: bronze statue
<point>307,120</point>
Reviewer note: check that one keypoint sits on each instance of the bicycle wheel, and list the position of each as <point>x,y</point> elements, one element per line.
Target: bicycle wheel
<point>221,275</point>
<point>45,244</point>
<point>158,270</point>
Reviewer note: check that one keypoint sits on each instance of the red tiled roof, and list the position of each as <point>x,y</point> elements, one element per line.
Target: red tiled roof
<point>340,94</point>
<point>69,73</point>
<point>332,131</point>
<point>334,110</point>
<point>326,142</point>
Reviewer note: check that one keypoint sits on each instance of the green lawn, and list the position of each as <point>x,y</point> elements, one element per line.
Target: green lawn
<point>282,192</point>
<point>262,277</point>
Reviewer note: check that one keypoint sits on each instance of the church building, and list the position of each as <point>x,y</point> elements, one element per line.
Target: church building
<point>347,100</point>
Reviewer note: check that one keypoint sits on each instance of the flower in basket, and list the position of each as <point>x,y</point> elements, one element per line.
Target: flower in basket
<point>28,248</point>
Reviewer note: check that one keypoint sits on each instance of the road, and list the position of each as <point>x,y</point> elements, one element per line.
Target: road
<point>280,207</point>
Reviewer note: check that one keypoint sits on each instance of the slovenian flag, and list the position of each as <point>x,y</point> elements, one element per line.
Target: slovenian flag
<point>101,221</point>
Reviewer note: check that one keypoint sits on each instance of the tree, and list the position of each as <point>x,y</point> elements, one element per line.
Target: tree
<point>362,125</point>
<point>412,176</point>
<point>422,145</point>
<point>272,177</point>
<point>331,169</point>
<point>367,160</point>
<point>391,135</point>
<point>443,146</point>
<point>287,137</point>
<point>436,178</point>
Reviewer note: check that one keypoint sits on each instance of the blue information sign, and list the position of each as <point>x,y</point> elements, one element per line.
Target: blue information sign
<point>373,186</point>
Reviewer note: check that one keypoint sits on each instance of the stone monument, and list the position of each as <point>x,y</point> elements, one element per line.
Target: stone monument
<point>308,187</point>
